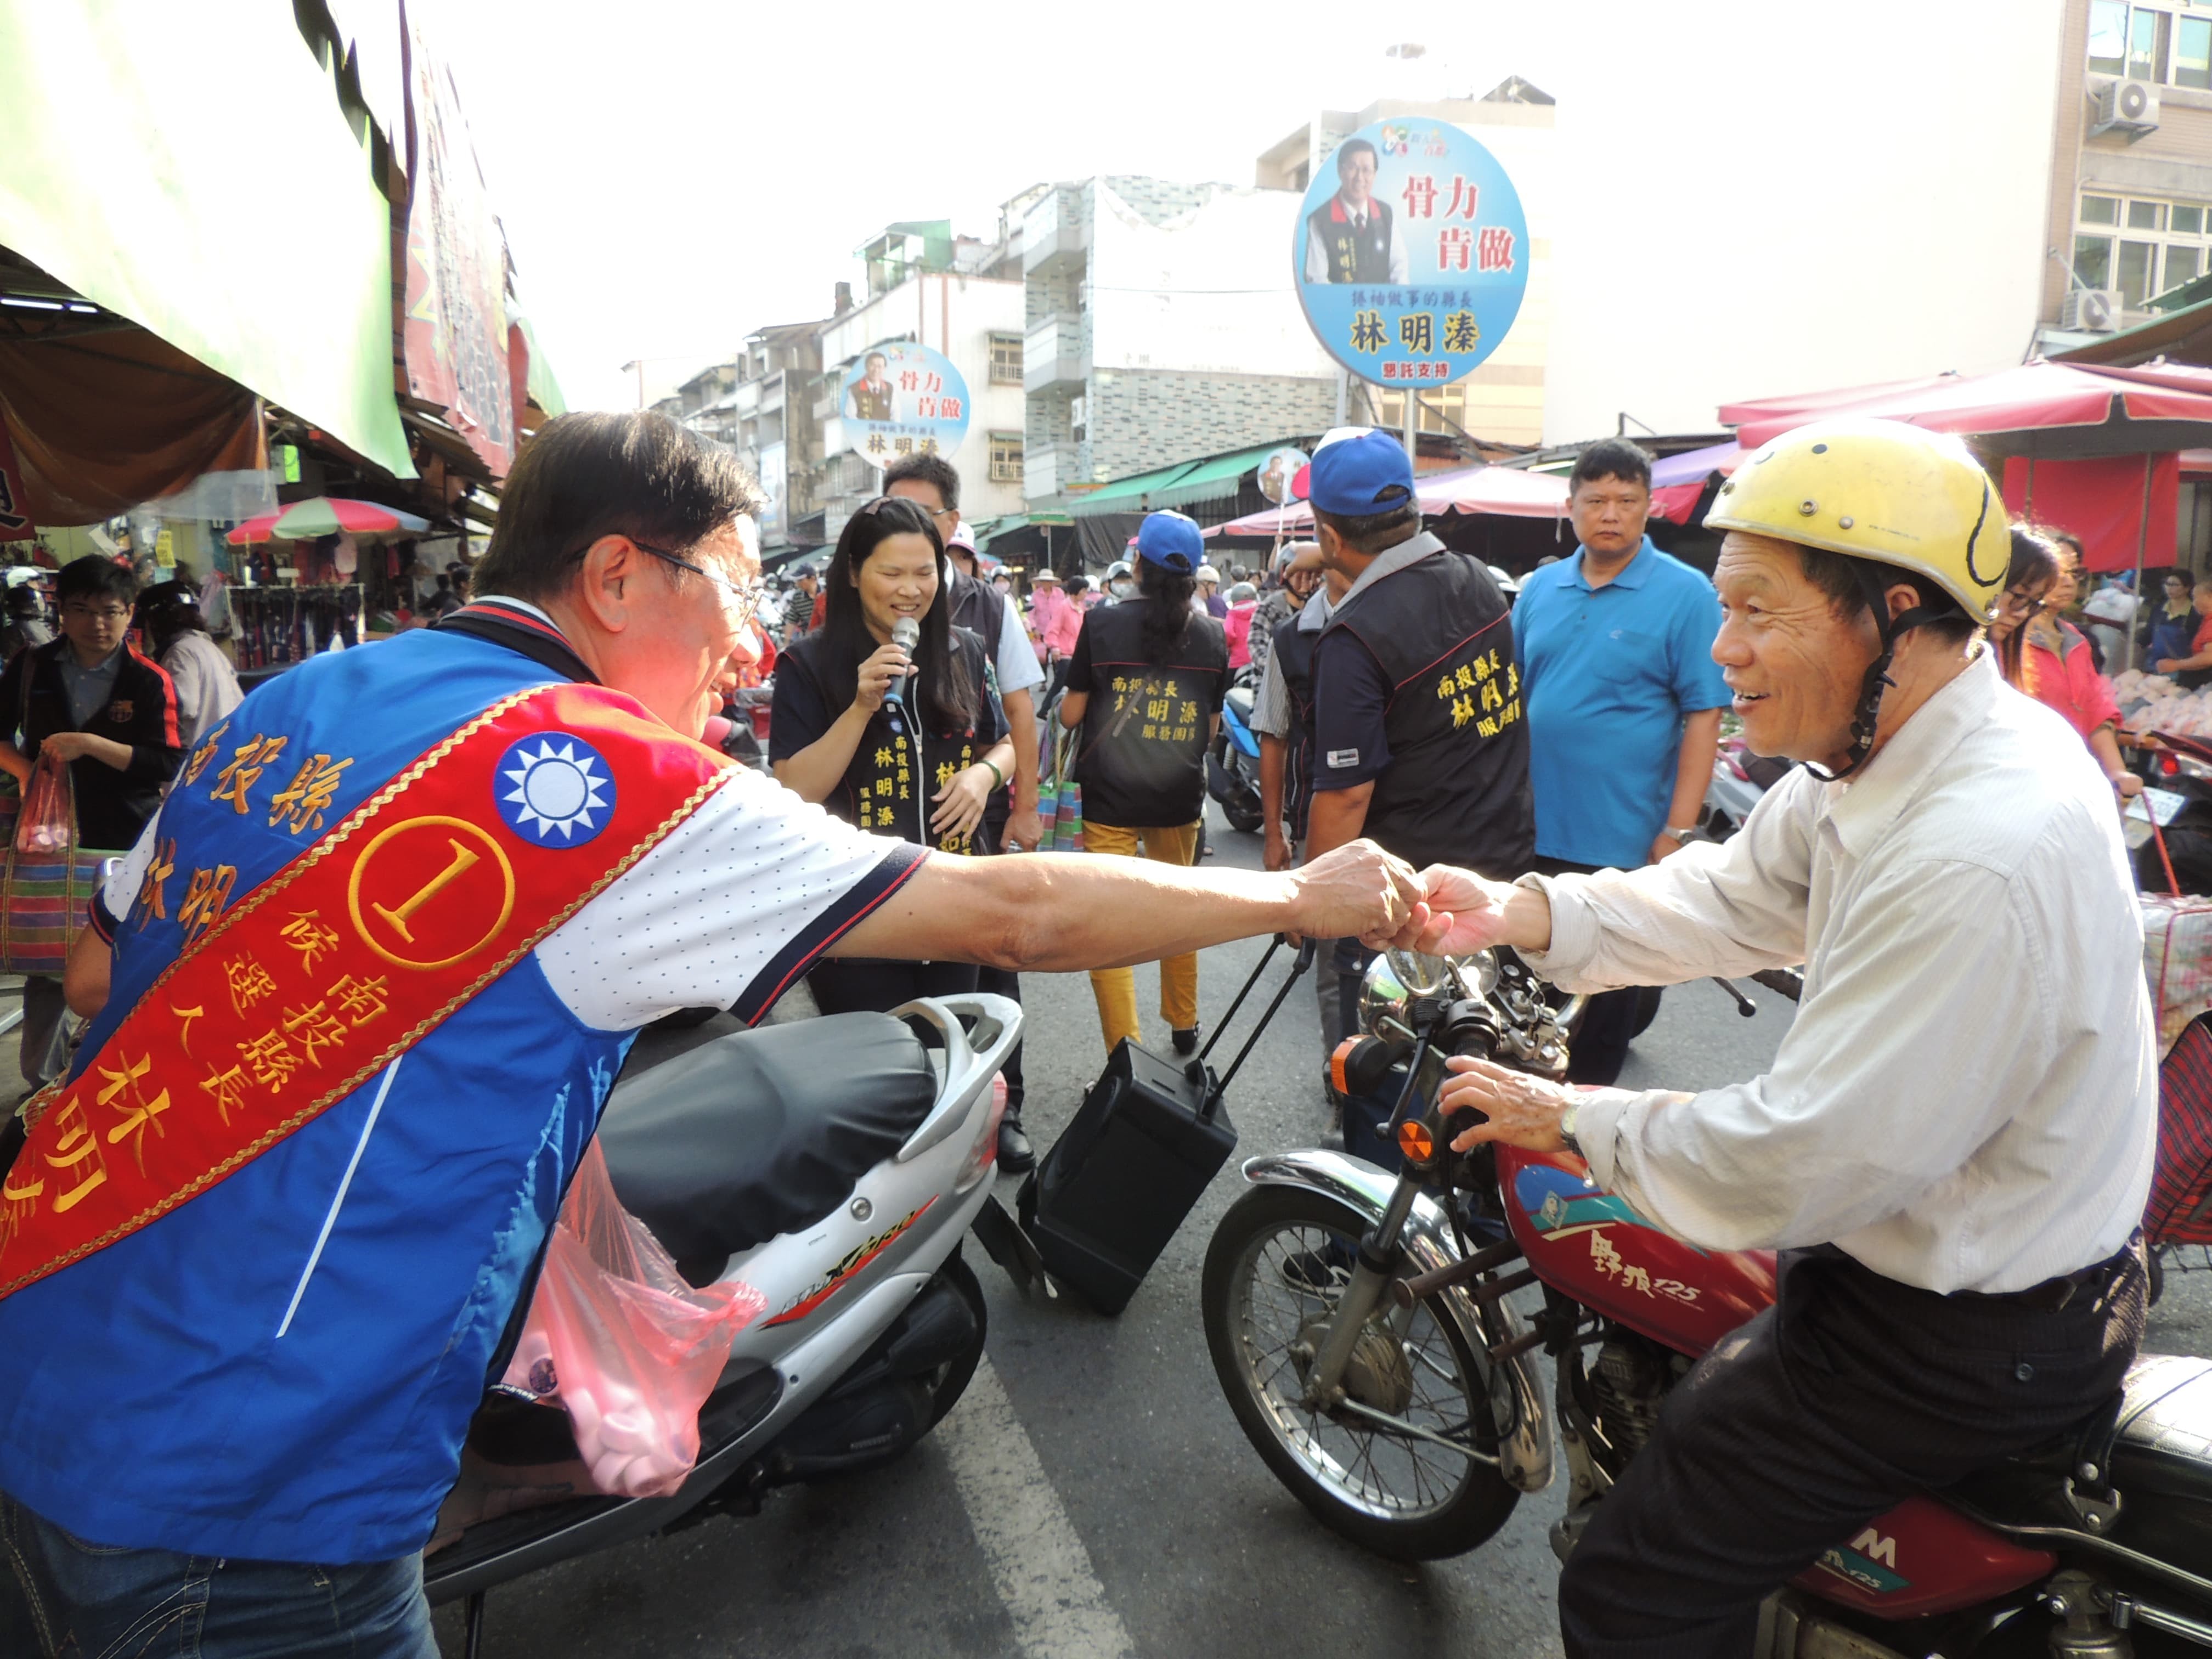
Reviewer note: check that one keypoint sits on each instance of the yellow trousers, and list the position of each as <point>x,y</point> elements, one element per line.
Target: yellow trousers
<point>1116,988</point>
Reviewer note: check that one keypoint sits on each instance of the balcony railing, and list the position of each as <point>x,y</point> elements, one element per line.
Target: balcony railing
<point>1054,234</point>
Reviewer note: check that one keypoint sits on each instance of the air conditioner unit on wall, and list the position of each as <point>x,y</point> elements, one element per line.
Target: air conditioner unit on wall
<point>2091,311</point>
<point>2127,107</point>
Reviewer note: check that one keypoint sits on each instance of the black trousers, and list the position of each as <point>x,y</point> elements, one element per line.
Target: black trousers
<point>876,985</point>
<point>1600,1047</point>
<point>1851,1394</point>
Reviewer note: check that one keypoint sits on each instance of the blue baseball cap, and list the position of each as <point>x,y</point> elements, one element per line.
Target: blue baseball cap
<point>1357,477</point>
<point>1171,541</point>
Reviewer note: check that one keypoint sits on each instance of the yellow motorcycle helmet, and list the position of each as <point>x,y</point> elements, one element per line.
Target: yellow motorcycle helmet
<point>1882,490</point>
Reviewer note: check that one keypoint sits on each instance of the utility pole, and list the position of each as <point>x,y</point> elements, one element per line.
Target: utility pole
<point>639,365</point>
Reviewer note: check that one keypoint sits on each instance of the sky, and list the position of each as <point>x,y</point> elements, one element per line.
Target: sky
<point>1752,196</point>
<point>673,174</point>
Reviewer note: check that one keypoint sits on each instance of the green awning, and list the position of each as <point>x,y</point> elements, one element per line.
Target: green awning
<point>1217,480</point>
<point>1127,495</point>
<point>201,180</point>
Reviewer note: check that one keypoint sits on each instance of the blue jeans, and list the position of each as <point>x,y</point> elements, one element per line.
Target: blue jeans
<point>62,1598</point>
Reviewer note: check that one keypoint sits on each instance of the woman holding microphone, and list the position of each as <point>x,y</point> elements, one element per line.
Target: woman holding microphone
<point>887,716</point>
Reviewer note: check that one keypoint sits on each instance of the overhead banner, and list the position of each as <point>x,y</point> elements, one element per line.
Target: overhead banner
<point>1411,253</point>
<point>457,345</point>
<point>16,524</point>
<point>903,398</point>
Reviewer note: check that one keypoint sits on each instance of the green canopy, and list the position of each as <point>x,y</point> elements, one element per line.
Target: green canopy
<point>200,179</point>
<point>1127,495</point>
<point>1217,480</point>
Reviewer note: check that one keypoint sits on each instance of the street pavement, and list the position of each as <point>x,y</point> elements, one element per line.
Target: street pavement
<point>1093,1497</point>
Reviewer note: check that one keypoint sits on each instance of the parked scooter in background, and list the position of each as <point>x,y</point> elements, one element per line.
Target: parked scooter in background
<point>1739,779</point>
<point>1233,765</point>
<point>835,1165</point>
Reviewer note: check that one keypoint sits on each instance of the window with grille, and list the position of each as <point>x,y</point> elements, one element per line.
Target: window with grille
<point>1007,369</point>
<point>1006,452</point>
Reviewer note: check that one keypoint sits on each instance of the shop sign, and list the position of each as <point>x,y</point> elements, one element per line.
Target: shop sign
<point>16,524</point>
<point>1411,253</point>
<point>165,549</point>
<point>900,398</point>
<point>456,340</point>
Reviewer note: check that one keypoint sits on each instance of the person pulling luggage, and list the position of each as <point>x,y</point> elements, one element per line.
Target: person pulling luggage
<point>1145,689</point>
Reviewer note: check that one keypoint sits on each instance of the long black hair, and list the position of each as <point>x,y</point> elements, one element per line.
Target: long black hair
<point>943,699</point>
<point>1166,598</point>
<point>2034,564</point>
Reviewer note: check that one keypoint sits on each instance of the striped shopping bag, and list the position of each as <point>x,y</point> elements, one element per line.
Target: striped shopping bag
<point>44,902</point>
<point>2180,1208</point>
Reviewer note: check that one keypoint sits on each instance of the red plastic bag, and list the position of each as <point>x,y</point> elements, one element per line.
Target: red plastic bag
<point>46,824</point>
<point>617,1339</point>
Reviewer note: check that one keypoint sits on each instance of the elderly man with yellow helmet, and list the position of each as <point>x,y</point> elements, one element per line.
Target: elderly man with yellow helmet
<point>1954,1145</point>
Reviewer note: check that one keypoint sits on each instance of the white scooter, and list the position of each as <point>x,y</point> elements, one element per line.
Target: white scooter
<point>835,1165</point>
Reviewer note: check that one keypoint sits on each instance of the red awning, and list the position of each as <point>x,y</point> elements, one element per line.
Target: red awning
<point>2046,410</point>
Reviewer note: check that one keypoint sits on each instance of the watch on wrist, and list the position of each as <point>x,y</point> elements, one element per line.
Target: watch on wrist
<point>1567,1127</point>
<point>1680,835</point>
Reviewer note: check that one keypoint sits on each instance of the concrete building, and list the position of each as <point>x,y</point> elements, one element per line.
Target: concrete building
<point>1502,401</point>
<point>1160,324</point>
<point>2131,200</point>
<point>961,295</point>
<point>769,421</point>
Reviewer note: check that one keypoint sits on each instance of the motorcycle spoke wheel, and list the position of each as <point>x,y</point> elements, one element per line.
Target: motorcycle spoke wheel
<point>1276,1267</point>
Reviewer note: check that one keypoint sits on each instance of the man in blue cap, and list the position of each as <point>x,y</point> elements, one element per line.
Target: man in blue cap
<point>1145,685</point>
<point>1420,739</point>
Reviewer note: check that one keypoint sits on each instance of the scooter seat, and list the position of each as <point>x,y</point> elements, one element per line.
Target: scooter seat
<point>762,1133</point>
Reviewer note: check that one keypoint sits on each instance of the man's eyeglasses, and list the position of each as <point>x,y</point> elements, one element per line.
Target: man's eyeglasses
<point>744,597</point>
<point>881,502</point>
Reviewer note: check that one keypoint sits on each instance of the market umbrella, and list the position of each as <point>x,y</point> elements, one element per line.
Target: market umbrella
<point>333,515</point>
<point>1503,490</point>
<point>2041,410</point>
<point>259,529</point>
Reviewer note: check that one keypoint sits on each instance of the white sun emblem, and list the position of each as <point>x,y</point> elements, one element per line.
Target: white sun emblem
<point>556,789</point>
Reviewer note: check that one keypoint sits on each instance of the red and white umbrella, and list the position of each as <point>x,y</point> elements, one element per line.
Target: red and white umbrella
<point>1503,490</point>
<point>328,515</point>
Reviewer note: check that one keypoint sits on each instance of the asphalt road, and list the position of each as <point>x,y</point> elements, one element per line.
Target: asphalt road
<point>1091,1496</point>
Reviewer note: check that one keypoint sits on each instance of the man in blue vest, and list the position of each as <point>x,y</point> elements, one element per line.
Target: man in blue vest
<point>254,1258</point>
<point>1418,738</point>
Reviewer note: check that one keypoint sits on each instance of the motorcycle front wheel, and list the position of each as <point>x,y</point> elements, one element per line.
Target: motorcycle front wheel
<point>1277,1264</point>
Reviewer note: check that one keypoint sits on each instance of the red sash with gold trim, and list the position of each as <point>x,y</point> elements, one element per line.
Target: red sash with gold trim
<point>344,959</point>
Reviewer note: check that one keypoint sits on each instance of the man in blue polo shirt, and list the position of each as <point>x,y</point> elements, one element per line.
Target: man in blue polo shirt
<point>1625,701</point>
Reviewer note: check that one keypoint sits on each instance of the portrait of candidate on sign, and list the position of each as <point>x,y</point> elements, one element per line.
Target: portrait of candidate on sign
<point>903,398</point>
<point>1411,253</point>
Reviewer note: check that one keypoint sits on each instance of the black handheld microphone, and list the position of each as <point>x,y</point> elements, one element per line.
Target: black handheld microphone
<point>906,634</point>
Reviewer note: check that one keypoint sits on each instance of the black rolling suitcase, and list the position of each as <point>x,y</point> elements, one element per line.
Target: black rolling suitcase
<point>1150,1134</point>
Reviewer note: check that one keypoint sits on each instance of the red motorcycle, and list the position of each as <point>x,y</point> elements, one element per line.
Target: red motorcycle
<point>1359,1325</point>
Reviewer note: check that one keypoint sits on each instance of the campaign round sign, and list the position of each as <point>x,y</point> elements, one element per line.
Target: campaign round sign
<point>900,398</point>
<point>1411,253</point>
<point>1277,470</point>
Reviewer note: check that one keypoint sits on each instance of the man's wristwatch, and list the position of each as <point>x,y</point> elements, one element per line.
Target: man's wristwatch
<point>1680,836</point>
<point>1567,1127</point>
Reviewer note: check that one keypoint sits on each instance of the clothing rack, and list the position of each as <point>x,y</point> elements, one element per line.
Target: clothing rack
<point>277,627</point>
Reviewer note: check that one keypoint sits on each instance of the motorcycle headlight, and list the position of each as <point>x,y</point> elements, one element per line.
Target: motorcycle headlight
<point>1396,979</point>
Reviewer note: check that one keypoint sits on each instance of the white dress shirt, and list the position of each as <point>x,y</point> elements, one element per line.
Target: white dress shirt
<point>1968,1098</point>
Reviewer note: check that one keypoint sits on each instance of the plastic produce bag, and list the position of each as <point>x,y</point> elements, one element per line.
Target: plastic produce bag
<point>46,824</point>
<point>618,1341</point>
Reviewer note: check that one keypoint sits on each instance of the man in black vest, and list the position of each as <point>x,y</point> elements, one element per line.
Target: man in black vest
<point>933,483</point>
<point>1419,740</point>
<point>1350,237</point>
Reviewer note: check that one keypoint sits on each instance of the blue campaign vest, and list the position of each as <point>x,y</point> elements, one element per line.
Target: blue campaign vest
<point>147,1398</point>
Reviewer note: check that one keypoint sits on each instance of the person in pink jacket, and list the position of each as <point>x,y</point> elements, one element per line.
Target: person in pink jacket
<point>1055,621</point>
<point>1243,600</point>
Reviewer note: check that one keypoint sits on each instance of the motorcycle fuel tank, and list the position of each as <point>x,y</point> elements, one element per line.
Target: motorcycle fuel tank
<point>1593,1247</point>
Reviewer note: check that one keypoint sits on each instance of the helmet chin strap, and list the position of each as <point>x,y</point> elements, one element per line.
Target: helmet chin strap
<point>1868,715</point>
